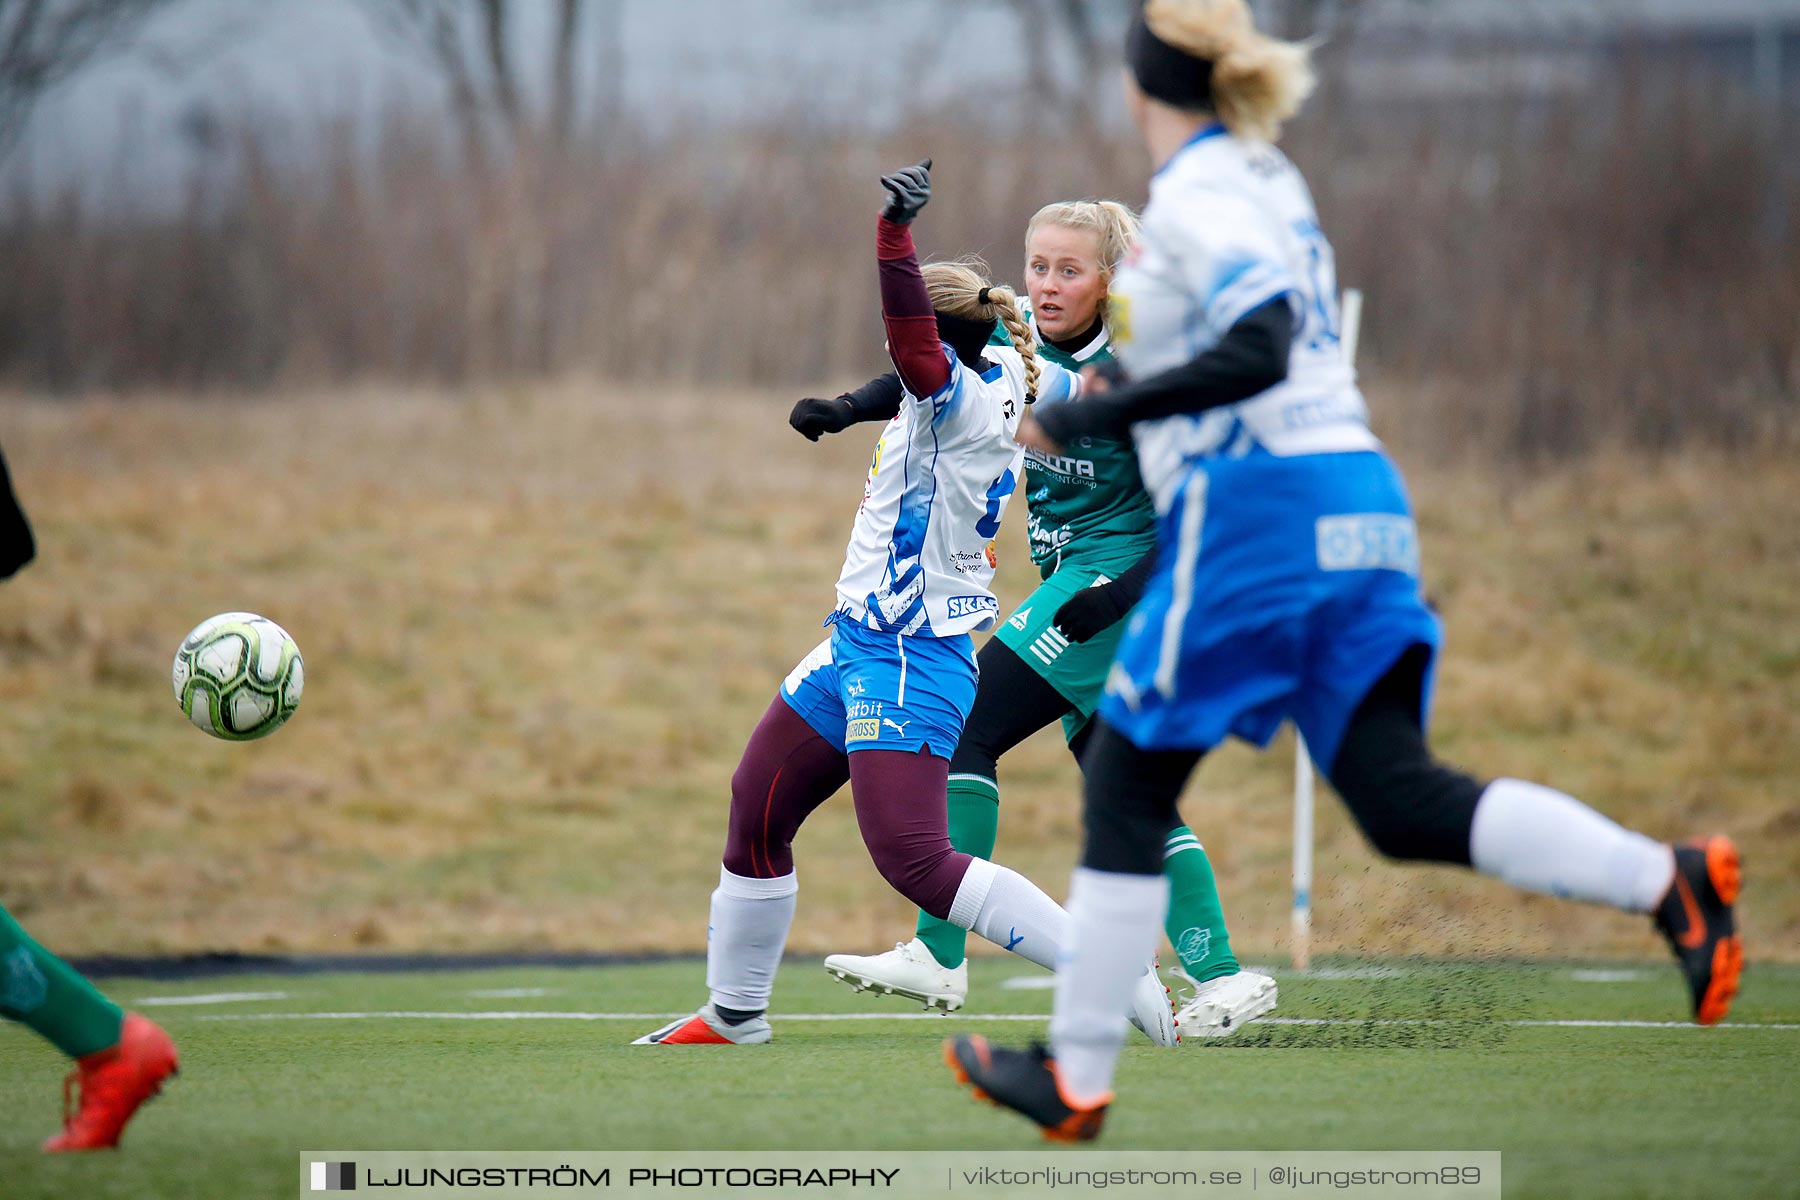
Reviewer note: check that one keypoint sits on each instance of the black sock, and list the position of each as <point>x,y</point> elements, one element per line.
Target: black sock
<point>737,1016</point>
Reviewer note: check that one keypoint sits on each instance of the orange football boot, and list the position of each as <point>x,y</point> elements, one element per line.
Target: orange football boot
<point>1697,919</point>
<point>114,1082</point>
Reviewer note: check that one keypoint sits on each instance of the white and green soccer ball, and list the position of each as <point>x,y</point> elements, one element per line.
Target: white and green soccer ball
<point>238,676</point>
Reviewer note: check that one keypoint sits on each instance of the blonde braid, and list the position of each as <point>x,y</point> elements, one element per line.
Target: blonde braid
<point>1006,305</point>
<point>955,290</point>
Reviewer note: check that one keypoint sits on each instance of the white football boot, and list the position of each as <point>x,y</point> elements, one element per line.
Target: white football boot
<point>708,1028</point>
<point>906,970</point>
<point>1152,1012</point>
<point>1220,1007</point>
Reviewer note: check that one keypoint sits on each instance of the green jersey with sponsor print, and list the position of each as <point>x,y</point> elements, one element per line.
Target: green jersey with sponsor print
<point>1087,504</point>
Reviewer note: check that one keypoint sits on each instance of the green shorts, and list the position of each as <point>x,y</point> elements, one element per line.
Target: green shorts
<point>1075,669</point>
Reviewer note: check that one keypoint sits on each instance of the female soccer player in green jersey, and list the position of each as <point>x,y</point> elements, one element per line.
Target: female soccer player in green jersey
<point>121,1059</point>
<point>1093,536</point>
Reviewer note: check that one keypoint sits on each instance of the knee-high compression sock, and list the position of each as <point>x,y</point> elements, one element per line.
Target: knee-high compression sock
<point>1014,913</point>
<point>974,827</point>
<point>745,935</point>
<point>1536,837</point>
<point>1113,919</point>
<point>1196,921</point>
<point>46,994</point>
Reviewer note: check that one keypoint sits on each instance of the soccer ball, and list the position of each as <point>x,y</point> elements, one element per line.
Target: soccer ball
<point>238,676</point>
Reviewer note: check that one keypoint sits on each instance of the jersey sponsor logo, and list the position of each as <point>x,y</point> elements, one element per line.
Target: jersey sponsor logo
<point>1368,542</point>
<point>967,561</point>
<point>1045,540</point>
<point>969,606</point>
<point>865,730</point>
<point>870,709</point>
<point>1021,618</point>
<point>1310,413</point>
<point>1062,464</point>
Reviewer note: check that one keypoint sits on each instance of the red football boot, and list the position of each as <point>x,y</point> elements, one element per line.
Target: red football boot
<point>114,1082</point>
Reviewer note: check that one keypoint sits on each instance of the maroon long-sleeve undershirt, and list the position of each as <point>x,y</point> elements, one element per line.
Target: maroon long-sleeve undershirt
<point>912,331</point>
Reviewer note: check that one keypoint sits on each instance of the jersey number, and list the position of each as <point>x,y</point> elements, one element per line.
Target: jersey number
<point>997,493</point>
<point>1319,328</point>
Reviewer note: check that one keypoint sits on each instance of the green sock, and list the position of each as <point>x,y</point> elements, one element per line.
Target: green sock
<point>974,825</point>
<point>48,995</point>
<point>1196,925</point>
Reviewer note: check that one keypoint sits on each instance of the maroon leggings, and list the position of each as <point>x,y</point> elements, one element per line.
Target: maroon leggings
<point>788,770</point>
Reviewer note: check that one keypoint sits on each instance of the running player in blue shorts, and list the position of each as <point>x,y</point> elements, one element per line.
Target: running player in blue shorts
<point>882,700</point>
<point>1093,539</point>
<point>1287,587</point>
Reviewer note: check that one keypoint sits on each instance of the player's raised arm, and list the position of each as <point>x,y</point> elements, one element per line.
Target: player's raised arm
<point>1250,359</point>
<point>912,328</point>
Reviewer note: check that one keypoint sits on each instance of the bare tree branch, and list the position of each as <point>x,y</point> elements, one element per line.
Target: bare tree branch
<point>562,71</point>
<point>433,29</point>
<point>43,43</point>
<point>506,92</point>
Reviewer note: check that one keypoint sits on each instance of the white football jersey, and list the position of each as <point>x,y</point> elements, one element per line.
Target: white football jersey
<point>1229,227</point>
<point>921,553</point>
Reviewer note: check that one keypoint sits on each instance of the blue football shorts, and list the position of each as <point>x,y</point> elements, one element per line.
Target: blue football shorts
<point>866,690</point>
<point>1284,588</point>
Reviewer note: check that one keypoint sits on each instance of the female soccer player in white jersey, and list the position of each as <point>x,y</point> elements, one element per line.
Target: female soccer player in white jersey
<point>1093,538</point>
<point>881,702</point>
<point>1287,587</point>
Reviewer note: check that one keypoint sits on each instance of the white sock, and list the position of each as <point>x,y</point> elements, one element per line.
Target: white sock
<point>744,937</point>
<point>1012,912</point>
<point>1115,921</point>
<point>1537,838</point>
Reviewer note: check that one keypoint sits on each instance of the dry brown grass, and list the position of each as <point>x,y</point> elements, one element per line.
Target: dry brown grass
<point>539,623</point>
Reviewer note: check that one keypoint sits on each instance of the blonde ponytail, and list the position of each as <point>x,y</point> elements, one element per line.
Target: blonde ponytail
<point>955,289</point>
<point>1258,81</point>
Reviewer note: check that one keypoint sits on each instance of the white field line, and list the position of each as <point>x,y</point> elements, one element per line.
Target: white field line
<point>921,1016</point>
<point>1625,976</point>
<point>208,998</point>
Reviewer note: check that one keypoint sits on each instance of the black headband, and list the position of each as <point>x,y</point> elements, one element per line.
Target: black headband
<point>1166,73</point>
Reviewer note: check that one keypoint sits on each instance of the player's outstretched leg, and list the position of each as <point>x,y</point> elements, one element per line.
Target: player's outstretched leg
<point>1225,997</point>
<point>120,1060</point>
<point>907,839</point>
<point>1534,837</point>
<point>1012,702</point>
<point>933,968</point>
<point>1025,1081</point>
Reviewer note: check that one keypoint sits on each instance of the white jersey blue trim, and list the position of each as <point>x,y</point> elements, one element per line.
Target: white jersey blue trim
<point>1230,226</point>
<point>920,559</point>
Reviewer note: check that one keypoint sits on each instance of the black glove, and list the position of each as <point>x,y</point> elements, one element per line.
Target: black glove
<point>1090,612</point>
<point>1093,610</point>
<point>909,190</point>
<point>811,417</point>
